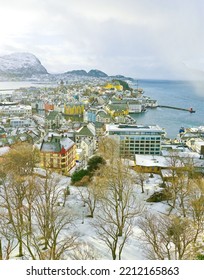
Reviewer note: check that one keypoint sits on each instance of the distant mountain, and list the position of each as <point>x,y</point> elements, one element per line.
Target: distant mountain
<point>77,72</point>
<point>26,65</point>
<point>92,73</point>
<point>97,73</point>
<point>21,64</point>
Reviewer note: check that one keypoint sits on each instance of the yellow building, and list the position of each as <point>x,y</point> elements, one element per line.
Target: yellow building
<point>74,109</point>
<point>115,86</point>
<point>58,154</point>
<point>117,109</point>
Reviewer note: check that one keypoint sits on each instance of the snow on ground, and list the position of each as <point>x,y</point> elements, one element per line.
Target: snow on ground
<point>132,250</point>
<point>4,150</point>
<point>83,224</point>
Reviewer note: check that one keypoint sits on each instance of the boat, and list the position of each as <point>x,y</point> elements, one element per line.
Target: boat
<point>181,130</point>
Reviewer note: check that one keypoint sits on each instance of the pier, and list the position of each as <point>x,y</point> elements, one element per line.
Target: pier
<point>177,108</point>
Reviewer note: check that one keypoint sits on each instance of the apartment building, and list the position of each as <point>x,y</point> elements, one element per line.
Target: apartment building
<point>16,110</point>
<point>58,154</point>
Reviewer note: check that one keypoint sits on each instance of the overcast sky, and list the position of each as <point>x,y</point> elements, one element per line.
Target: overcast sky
<point>137,38</point>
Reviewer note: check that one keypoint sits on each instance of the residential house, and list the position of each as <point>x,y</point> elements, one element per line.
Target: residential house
<point>117,109</point>
<point>103,117</point>
<point>58,154</point>
<point>88,149</point>
<point>96,115</point>
<point>89,115</point>
<point>48,106</point>
<point>151,163</point>
<point>166,165</point>
<point>196,145</point>
<point>100,128</point>
<point>53,120</point>
<point>85,133</point>
<point>21,122</point>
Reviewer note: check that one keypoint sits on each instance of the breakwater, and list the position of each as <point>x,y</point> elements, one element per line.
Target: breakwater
<point>177,108</point>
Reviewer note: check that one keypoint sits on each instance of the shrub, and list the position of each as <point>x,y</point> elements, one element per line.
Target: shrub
<point>78,175</point>
<point>159,196</point>
<point>83,182</point>
<point>94,163</point>
<point>200,257</point>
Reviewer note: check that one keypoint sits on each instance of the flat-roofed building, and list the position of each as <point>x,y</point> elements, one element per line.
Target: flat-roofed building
<point>136,139</point>
<point>16,110</point>
<point>196,145</point>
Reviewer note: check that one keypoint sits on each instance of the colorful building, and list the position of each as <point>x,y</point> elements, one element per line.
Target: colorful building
<point>48,107</point>
<point>73,109</point>
<point>117,109</point>
<point>113,86</point>
<point>58,154</point>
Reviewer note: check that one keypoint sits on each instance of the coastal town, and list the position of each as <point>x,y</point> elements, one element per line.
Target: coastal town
<point>76,126</point>
<point>101,139</point>
<point>81,112</point>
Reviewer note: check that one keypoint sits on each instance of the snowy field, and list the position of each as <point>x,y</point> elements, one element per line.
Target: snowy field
<point>87,234</point>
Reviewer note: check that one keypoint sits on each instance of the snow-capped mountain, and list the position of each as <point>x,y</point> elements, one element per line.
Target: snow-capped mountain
<point>21,64</point>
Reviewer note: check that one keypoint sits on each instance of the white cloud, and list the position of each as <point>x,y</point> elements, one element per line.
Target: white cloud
<point>113,35</point>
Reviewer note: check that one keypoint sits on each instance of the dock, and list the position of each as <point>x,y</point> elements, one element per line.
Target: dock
<point>177,108</point>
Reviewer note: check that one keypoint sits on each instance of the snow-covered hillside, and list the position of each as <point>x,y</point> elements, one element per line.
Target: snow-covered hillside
<point>21,64</point>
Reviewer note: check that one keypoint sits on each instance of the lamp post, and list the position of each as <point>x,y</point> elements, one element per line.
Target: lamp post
<point>82,217</point>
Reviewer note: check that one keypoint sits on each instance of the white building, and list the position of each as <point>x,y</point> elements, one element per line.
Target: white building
<point>21,122</point>
<point>137,139</point>
<point>196,145</point>
<point>16,110</point>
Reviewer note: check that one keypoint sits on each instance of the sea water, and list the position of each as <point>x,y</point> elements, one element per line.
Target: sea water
<point>182,94</point>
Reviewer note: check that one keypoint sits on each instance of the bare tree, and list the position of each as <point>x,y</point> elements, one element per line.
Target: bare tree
<point>30,210</point>
<point>93,193</point>
<point>21,159</point>
<point>167,237</point>
<point>195,205</point>
<point>176,165</point>
<point>140,179</point>
<point>182,175</point>
<point>84,251</point>
<point>6,237</point>
<point>51,236</point>
<point>7,240</point>
<point>12,194</point>
<point>109,148</point>
<point>118,208</point>
<point>17,164</point>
